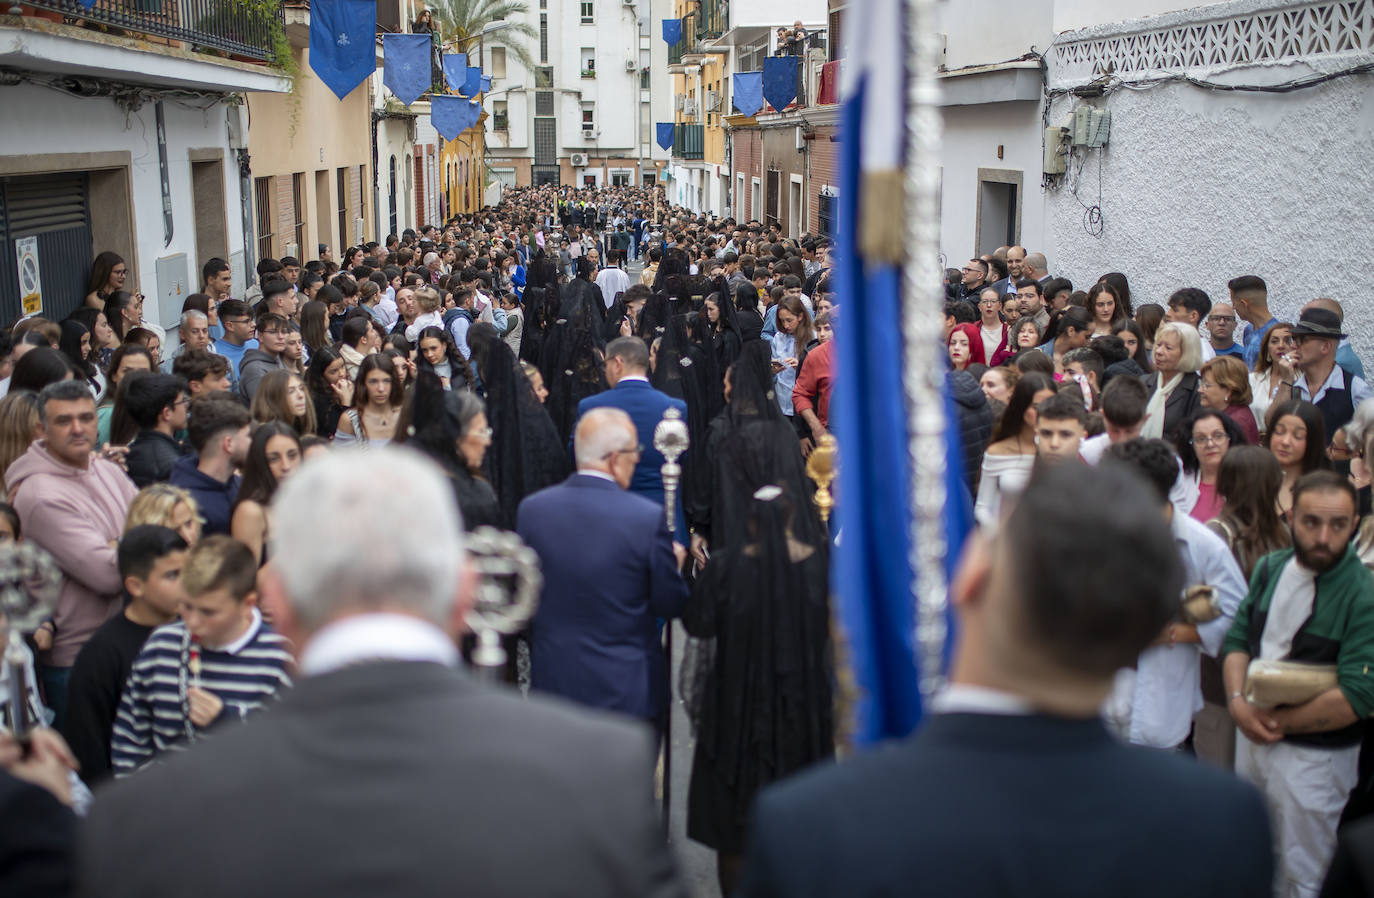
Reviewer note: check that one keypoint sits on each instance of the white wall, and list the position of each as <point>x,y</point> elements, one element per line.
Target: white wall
<point>1071,14</point>
<point>978,32</point>
<point>1199,187</point>
<point>971,137</point>
<point>41,121</point>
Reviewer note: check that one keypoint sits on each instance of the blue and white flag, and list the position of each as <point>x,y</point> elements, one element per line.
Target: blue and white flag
<point>780,80</point>
<point>455,70</point>
<point>748,92</point>
<point>672,30</point>
<point>343,36</point>
<point>405,68</point>
<point>880,400</point>
<point>452,116</point>
<point>665,134</point>
<point>472,84</point>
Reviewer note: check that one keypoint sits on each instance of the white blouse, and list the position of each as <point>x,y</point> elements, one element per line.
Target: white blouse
<point>1004,476</point>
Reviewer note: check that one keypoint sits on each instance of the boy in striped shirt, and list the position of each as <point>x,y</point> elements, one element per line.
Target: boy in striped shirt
<point>219,663</point>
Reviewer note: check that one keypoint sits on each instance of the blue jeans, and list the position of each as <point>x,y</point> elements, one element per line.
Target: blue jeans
<point>53,681</point>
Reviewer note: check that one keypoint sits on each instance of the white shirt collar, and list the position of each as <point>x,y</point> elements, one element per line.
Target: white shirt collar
<point>592,472</point>
<point>625,377</point>
<point>241,643</point>
<point>380,636</point>
<point>961,698</point>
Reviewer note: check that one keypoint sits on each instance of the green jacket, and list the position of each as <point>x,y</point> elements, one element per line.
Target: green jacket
<point>1340,631</point>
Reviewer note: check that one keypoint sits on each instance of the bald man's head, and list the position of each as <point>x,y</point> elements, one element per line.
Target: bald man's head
<point>1328,304</point>
<point>1035,266</point>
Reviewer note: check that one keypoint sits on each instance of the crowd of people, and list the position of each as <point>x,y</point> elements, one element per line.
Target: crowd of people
<point>510,349</point>
<point>1255,432</point>
<point>239,538</point>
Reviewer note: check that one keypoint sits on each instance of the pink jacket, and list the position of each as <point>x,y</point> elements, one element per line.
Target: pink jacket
<point>75,515</point>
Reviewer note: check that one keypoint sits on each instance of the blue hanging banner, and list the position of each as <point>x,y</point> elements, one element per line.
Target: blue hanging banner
<point>452,116</point>
<point>406,65</point>
<point>486,84</point>
<point>780,80</point>
<point>748,92</point>
<point>455,70</point>
<point>342,43</point>
<point>672,30</point>
<point>472,85</point>
<point>665,135</point>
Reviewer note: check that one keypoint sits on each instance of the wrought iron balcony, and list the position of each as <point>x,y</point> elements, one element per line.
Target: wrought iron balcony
<point>714,20</point>
<point>228,26</point>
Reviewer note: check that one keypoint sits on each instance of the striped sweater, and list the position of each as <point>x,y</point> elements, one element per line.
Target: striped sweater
<point>153,712</point>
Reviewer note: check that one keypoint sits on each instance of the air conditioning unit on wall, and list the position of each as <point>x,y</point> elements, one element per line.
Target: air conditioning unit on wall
<point>578,160</point>
<point>631,65</point>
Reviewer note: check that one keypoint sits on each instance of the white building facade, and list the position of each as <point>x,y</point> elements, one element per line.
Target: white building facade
<point>579,117</point>
<point>119,143</point>
<point>1202,142</point>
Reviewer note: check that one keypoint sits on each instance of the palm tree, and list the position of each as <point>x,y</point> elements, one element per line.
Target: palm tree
<point>460,23</point>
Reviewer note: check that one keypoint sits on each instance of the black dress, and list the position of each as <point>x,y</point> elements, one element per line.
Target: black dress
<point>476,500</point>
<point>765,703</point>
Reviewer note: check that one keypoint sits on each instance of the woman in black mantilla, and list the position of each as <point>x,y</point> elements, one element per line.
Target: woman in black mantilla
<point>573,360</point>
<point>525,454</point>
<point>758,687</point>
<point>450,426</point>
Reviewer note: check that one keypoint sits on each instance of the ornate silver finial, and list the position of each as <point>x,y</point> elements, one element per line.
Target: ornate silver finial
<point>671,439</point>
<point>507,593</point>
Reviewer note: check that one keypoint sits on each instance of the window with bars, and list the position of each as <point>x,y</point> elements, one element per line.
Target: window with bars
<point>543,37</point>
<point>500,116</point>
<point>262,199</point>
<point>298,201</point>
<point>543,102</point>
<point>751,58</point>
<point>341,185</point>
<point>545,141</point>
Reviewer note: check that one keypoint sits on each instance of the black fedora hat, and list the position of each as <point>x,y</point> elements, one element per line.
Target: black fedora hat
<point>1319,323</point>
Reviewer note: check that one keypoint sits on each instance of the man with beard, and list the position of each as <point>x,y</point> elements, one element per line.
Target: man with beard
<point>1314,604</point>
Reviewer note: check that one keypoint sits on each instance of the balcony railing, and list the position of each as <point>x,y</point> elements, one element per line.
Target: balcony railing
<point>715,19</point>
<point>678,50</point>
<point>689,141</point>
<point>224,25</point>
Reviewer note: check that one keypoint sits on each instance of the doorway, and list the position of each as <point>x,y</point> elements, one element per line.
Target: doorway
<point>999,209</point>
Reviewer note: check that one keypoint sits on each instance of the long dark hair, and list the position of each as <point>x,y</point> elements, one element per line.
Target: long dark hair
<point>1314,455</point>
<point>314,326</point>
<point>320,360</point>
<point>122,352</point>
<point>258,483</point>
<point>70,344</point>
<point>100,271</point>
<point>1022,395</point>
<point>377,362</point>
<point>1118,282</point>
<point>458,366</point>
<point>1249,481</point>
<point>1142,352</point>
<point>115,305</point>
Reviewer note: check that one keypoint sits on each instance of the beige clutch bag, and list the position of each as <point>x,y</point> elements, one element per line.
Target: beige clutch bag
<point>1269,684</point>
<point>1200,605</point>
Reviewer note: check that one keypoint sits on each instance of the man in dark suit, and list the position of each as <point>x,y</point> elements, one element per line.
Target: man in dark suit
<point>1013,786</point>
<point>627,372</point>
<point>610,573</point>
<point>387,770</point>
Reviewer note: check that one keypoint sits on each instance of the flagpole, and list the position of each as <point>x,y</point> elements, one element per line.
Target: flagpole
<point>922,323</point>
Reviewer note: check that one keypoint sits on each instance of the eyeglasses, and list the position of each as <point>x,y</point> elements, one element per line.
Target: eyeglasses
<point>637,449</point>
<point>1222,319</point>
<point>483,433</point>
<point>1216,439</point>
<point>238,321</point>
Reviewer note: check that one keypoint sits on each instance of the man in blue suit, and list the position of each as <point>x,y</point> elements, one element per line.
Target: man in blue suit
<point>627,372</point>
<point>1013,786</point>
<point>610,573</point>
